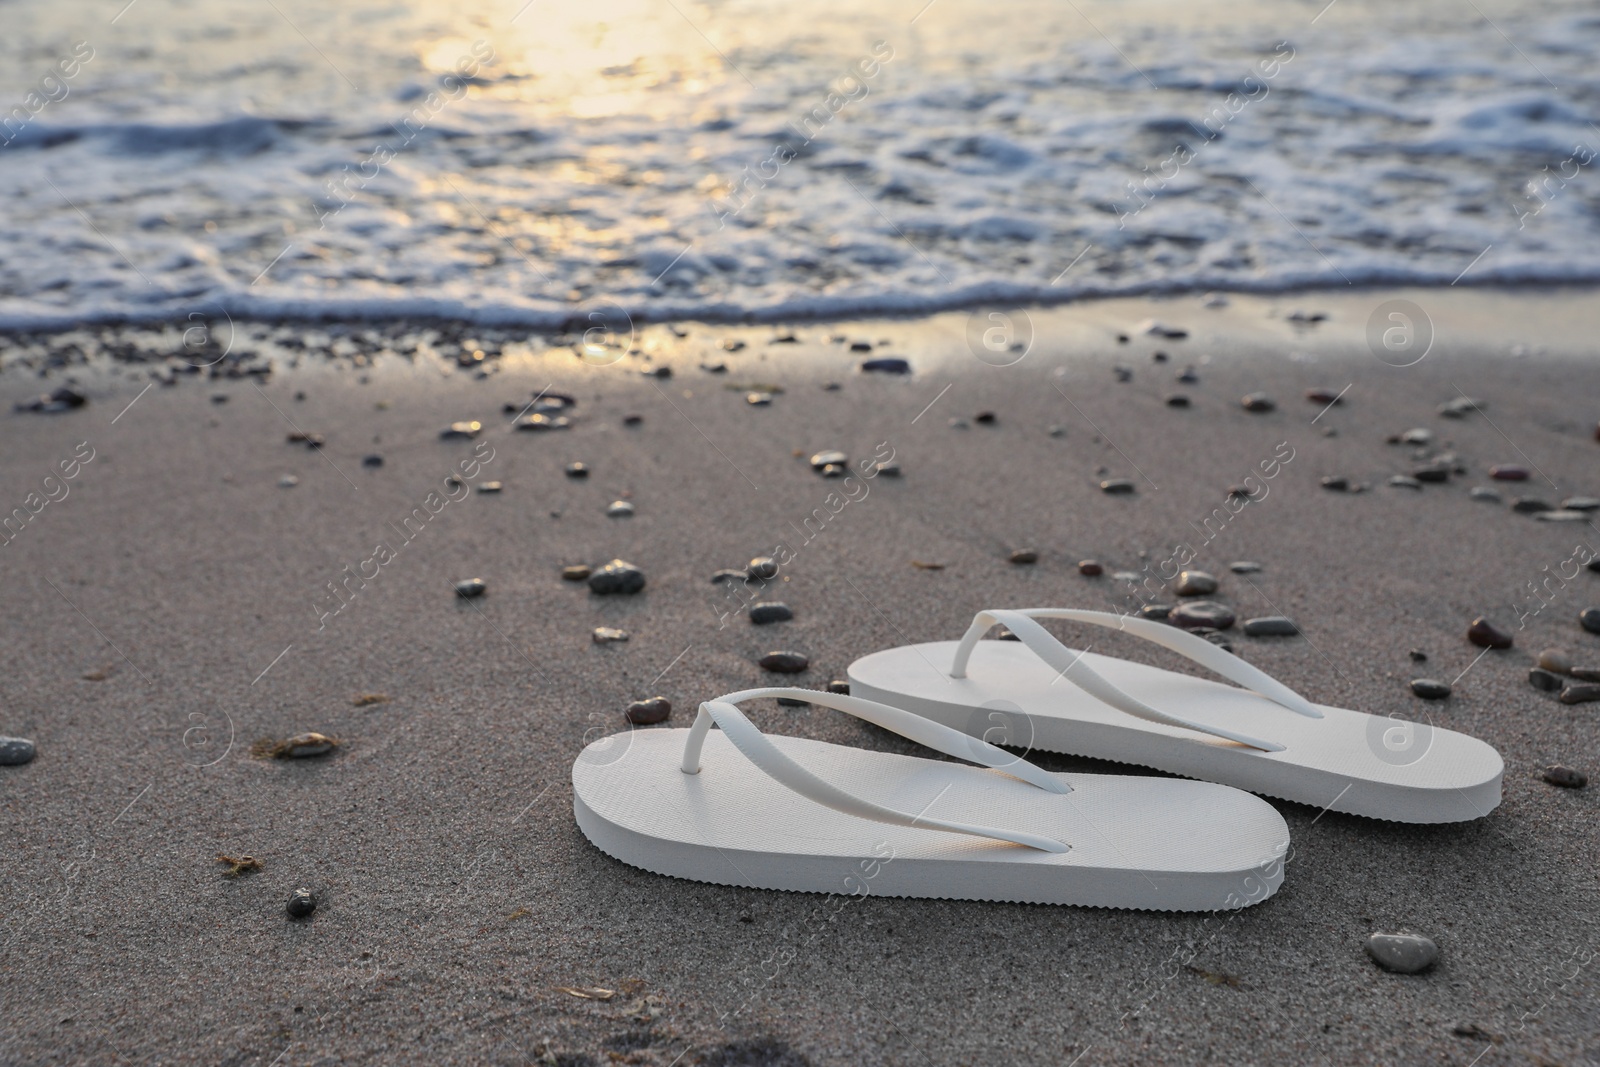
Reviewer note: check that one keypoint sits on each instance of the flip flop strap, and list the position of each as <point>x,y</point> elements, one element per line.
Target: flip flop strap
<point>1071,666</point>
<point>760,750</point>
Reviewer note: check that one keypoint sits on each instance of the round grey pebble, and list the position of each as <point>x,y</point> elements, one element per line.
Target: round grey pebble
<point>1201,613</point>
<point>1196,583</point>
<point>1429,688</point>
<point>616,577</point>
<point>769,612</point>
<point>1258,402</point>
<point>373,460</point>
<point>1483,492</point>
<point>1244,566</point>
<point>1549,681</point>
<point>471,587</point>
<point>763,567</point>
<point>302,902</point>
<point>15,751</point>
<point>1403,953</point>
<point>784,662</point>
<point>1270,626</point>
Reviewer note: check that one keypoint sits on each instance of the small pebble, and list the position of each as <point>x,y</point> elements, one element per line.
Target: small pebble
<point>649,712</point>
<point>1270,626</point>
<point>1508,472</point>
<point>1090,568</point>
<point>1483,492</point>
<point>840,686</point>
<point>1580,503</point>
<point>461,431</point>
<point>888,470</point>
<point>1215,636</point>
<point>1586,674</point>
<point>1432,472</point>
<point>577,470</point>
<point>1429,688</point>
<point>619,509</point>
<point>1457,408</point>
<point>986,418</point>
<point>784,662</point>
<point>1555,661</point>
<point>288,481</point>
<point>714,368</point>
<point>732,344</point>
<point>1123,373</point>
<point>1549,681</point>
<point>575,572</point>
<point>632,420</point>
<point>1418,656</point>
<point>1405,481</point>
<point>1244,566</point>
<point>1177,400</point>
<point>1197,613</point>
<point>1589,619</point>
<point>1188,376</point>
<point>1117,486</point>
<point>1003,634</point>
<point>1337,483</point>
<point>302,902</point>
<point>770,611</point>
<point>489,487</point>
<point>718,577</point>
<point>373,460</point>
<point>1195,583</point>
<point>1057,431</point>
<point>1562,516</point>
<point>1258,402</point>
<point>1565,777</point>
<point>834,470</point>
<point>1330,397</point>
<point>15,751</point>
<point>758,399</point>
<point>1402,953</point>
<point>1524,505</point>
<point>605,635</point>
<point>763,567</point>
<point>1582,693</point>
<point>1159,612</point>
<point>616,577</point>
<point>304,746</point>
<point>1024,555</point>
<point>657,372</point>
<point>538,422</point>
<point>471,587</point>
<point>960,424</point>
<point>1417,436</point>
<point>1486,634</point>
<point>887,365</point>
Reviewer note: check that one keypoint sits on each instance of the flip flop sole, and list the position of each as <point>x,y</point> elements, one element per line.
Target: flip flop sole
<point>1161,844</point>
<point>1347,761</point>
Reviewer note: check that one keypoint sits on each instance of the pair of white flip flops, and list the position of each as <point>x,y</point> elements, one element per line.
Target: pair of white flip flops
<point>739,807</point>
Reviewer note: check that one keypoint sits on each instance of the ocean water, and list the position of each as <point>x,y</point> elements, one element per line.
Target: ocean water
<point>531,161</point>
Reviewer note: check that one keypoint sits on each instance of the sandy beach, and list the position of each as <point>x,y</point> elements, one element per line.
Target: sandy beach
<point>172,607</point>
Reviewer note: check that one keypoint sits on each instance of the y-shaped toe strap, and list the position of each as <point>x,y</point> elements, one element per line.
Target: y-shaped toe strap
<point>1071,666</point>
<point>764,754</point>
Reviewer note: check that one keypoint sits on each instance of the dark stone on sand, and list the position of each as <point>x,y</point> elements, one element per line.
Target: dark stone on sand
<point>1258,402</point>
<point>461,431</point>
<point>1589,619</point>
<point>1430,689</point>
<point>1338,483</point>
<point>649,712</point>
<point>489,487</point>
<point>718,577</point>
<point>831,457</point>
<point>1402,953</point>
<point>1565,777</point>
<point>1195,583</point>
<point>632,420</point>
<point>770,611</point>
<point>1483,492</point>
<point>63,398</point>
<point>1090,568</point>
<point>219,398</point>
<point>1159,612</point>
<point>373,460</point>
<point>1508,472</point>
<point>1432,472</point>
<point>1024,555</point>
<point>887,365</point>
<point>784,662</point>
<point>1418,656</point>
<point>985,418</point>
<point>1457,408</point>
<point>1188,376</point>
<point>1003,634</point>
<point>304,746</point>
<point>618,576</point>
<point>763,567</point>
<point>1325,396</point>
<point>1585,674</point>
<point>714,368</point>
<point>577,470</point>
<point>1177,400</point>
<point>538,423</point>
<point>302,902</point>
<point>576,572</point>
<point>15,751</point>
<point>1117,486</point>
<point>1486,634</point>
<point>1582,693</point>
<point>657,372</point>
<point>471,587</point>
<point>834,470</point>
<point>861,346</point>
<point>1244,566</point>
<point>1199,613</point>
<point>1270,626</point>
<point>1123,373</point>
<point>1549,681</point>
<point>839,686</point>
<point>1524,505</point>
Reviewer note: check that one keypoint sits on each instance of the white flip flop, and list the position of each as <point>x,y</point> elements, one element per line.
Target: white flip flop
<point>742,808</point>
<point>1270,740</point>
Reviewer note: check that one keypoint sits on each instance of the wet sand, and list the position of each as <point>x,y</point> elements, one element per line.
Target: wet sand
<point>172,609</point>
